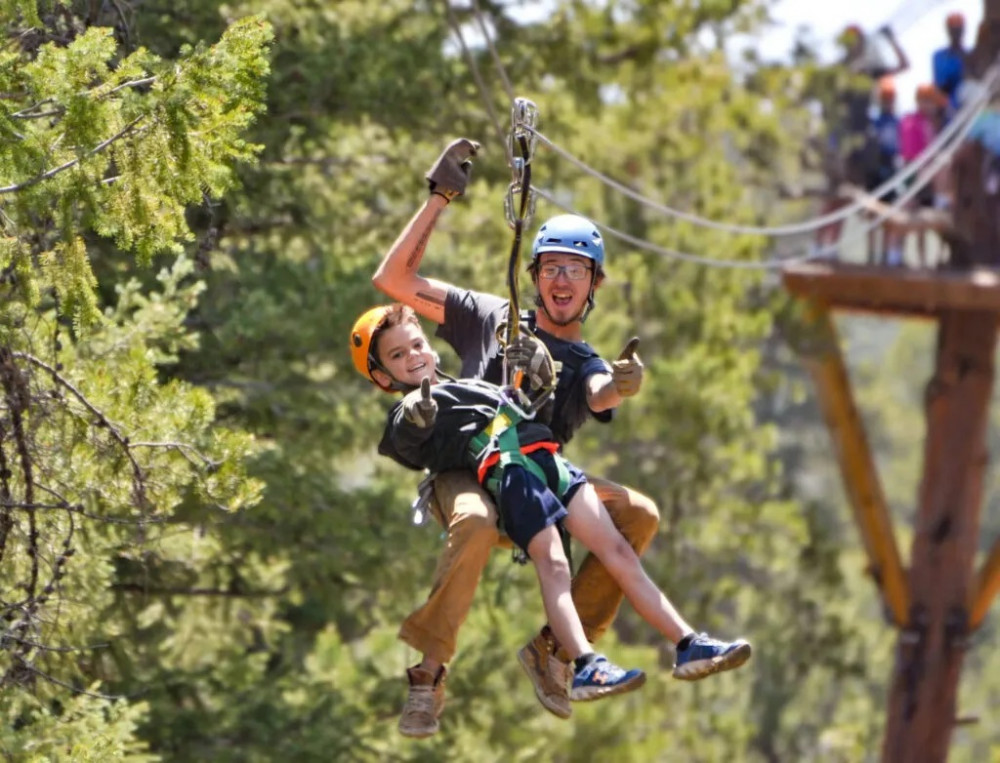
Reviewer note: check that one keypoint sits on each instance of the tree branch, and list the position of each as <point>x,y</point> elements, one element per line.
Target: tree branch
<point>73,162</point>
<point>138,479</point>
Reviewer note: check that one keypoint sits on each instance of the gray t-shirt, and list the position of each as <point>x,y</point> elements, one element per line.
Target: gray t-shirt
<point>470,324</point>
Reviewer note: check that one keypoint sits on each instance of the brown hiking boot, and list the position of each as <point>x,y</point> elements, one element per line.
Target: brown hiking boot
<point>424,703</point>
<point>548,673</point>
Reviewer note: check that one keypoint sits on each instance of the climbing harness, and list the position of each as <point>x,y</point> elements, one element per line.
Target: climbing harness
<point>497,446</point>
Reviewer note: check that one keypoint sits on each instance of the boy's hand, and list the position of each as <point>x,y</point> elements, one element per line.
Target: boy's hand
<point>419,407</point>
<point>626,372</point>
<point>449,175</point>
<point>527,353</point>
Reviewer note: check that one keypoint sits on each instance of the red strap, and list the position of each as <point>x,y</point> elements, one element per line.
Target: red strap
<point>491,460</point>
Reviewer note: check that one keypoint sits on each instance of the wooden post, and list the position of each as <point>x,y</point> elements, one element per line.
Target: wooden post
<point>825,364</point>
<point>922,701</point>
<point>987,586</point>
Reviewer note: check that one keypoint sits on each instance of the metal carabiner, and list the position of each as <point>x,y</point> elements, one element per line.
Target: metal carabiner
<point>511,208</point>
<point>523,120</point>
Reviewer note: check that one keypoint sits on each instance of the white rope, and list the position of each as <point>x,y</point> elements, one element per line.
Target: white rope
<point>935,156</point>
<point>966,115</point>
<point>888,210</point>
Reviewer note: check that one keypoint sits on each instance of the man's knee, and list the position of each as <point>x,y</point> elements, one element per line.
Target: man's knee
<point>634,514</point>
<point>645,516</point>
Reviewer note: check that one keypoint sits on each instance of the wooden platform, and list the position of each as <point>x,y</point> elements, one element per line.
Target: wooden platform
<point>902,291</point>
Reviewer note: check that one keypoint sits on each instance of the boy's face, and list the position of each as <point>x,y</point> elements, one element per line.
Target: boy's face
<point>564,296</point>
<point>403,350</point>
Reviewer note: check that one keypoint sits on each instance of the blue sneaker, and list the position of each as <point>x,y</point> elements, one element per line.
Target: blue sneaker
<point>705,656</point>
<point>602,678</point>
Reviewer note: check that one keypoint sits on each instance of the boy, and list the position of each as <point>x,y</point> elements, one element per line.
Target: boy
<point>534,487</point>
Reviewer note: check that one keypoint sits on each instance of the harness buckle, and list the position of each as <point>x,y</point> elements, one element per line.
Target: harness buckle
<point>421,506</point>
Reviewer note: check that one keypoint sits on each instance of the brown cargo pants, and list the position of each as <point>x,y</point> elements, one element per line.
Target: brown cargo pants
<point>466,512</point>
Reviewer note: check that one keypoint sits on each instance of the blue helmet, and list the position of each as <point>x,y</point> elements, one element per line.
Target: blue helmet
<point>571,234</point>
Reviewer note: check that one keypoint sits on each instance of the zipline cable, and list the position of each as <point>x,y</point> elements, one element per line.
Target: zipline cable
<point>480,83</point>
<point>968,113</point>
<point>969,110</point>
<point>880,217</point>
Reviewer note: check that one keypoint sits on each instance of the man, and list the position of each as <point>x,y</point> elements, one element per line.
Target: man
<point>848,114</point>
<point>948,63</point>
<point>567,267</point>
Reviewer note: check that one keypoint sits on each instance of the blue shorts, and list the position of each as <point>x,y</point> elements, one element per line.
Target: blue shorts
<point>527,505</point>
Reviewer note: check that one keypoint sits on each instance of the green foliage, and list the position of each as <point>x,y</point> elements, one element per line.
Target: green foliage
<point>190,229</point>
<point>121,144</point>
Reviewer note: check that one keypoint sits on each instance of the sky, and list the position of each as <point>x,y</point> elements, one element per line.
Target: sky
<point>920,29</point>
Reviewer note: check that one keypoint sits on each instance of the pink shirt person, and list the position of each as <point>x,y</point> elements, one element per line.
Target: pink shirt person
<point>918,129</point>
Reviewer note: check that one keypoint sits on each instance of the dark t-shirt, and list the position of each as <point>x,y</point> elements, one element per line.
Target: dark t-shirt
<point>470,324</point>
<point>464,409</point>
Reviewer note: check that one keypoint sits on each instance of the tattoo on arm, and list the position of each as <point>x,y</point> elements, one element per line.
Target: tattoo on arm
<point>418,250</point>
<point>427,296</point>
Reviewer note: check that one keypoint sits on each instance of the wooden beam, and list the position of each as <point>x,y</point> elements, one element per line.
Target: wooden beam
<point>930,652</point>
<point>895,291</point>
<point>826,365</point>
<point>986,588</point>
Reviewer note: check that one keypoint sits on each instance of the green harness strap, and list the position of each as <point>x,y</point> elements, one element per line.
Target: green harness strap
<point>501,432</point>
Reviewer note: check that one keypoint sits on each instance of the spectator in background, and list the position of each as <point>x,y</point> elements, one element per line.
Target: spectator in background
<point>949,63</point>
<point>849,139</point>
<point>916,131</point>
<point>882,160</point>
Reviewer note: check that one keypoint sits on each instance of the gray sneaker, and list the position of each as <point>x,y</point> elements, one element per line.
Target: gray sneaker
<point>549,675</point>
<point>424,703</point>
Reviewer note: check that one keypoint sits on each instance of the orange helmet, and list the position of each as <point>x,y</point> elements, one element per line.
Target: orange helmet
<point>929,92</point>
<point>362,334</point>
<point>955,21</point>
<point>886,86</point>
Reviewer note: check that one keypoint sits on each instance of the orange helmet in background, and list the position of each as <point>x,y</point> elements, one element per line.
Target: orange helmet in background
<point>928,92</point>
<point>954,21</point>
<point>362,334</point>
<point>886,87</point>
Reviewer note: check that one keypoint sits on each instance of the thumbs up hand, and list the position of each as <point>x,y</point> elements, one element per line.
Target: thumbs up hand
<point>419,407</point>
<point>626,372</point>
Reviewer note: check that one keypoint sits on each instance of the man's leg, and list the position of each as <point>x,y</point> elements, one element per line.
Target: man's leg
<point>467,513</point>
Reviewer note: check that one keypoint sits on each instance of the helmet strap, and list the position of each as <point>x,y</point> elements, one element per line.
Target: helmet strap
<point>395,385</point>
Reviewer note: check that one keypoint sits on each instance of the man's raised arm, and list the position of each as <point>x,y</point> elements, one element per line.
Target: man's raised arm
<point>397,274</point>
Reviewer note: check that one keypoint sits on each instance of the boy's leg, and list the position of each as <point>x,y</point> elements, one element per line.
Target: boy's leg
<point>531,512</point>
<point>697,654</point>
<point>595,593</point>
<point>467,513</point>
<point>590,523</point>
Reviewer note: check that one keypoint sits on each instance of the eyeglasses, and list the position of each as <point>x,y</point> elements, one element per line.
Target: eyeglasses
<point>574,272</point>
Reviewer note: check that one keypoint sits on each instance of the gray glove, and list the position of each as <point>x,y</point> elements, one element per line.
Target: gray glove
<point>626,372</point>
<point>449,175</point>
<point>419,407</point>
<point>527,353</point>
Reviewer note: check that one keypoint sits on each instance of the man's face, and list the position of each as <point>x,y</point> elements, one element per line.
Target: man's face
<point>563,282</point>
<point>405,353</point>
<point>955,33</point>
